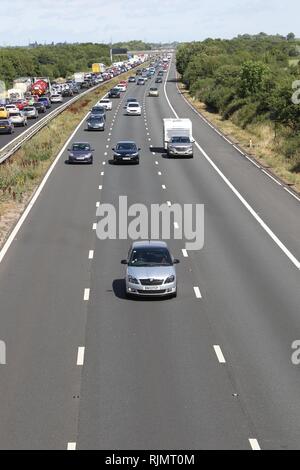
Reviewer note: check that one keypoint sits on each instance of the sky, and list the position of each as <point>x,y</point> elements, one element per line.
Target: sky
<point>149,20</point>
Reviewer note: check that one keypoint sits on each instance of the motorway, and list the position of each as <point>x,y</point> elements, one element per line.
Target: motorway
<point>211,369</point>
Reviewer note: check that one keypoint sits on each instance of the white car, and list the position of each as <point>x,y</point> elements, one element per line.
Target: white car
<point>56,98</point>
<point>105,103</point>
<point>18,118</point>
<point>121,87</point>
<point>11,108</point>
<point>133,109</point>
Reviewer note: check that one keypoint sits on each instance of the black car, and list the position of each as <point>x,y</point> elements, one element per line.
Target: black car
<point>41,108</point>
<point>126,151</point>
<point>98,111</point>
<point>114,93</point>
<point>158,80</point>
<point>95,123</point>
<point>81,152</point>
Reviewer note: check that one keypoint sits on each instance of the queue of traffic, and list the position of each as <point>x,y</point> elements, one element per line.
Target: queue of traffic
<point>31,96</point>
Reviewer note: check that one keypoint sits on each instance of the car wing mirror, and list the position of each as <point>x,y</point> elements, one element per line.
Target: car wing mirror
<point>124,261</point>
<point>176,261</point>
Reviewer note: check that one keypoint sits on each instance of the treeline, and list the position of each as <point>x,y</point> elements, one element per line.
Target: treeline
<point>249,80</point>
<point>135,45</point>
<point>52,60</point>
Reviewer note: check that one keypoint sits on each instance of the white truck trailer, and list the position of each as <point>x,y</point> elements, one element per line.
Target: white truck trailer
<point>178,137</point>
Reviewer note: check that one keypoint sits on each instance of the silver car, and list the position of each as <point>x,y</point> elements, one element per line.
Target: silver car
<point>30,112</point>
<point>150,270</point>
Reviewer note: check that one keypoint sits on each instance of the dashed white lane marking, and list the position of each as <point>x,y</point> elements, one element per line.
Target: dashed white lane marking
<point>80,355</point>
<point>272,178</point>
<point>86,295</point>
<point>71,446</point>
<point>156,163</point>
<point>98,204</point>
<point>197,292</point>
<point>149,139</point>
<point>103,163</point>
<point>95,226</point>
<point>159,173</point>
<point>163,186</point>
<point>109,133</point>
<point>102,173</point>
<point>176,225</point>
<point>91,254</point>
<point>292,194</point>
<point>219,354</point>
<point>148,133</point>
<point>254,444</point>
<point>153,153</point>
<point>185,253</point>
<point>100,186</point>
<point>105,153</point>
<point>267,229</point>
<point>108,140</point>
<point>107,146</point>
<point>169,203</point>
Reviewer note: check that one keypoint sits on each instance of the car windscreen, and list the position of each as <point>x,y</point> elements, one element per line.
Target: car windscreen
<point>99,109</point>
<point>126,146</point>
<point>96,119</point>
<point>81,147</point>
<point>4,123</point>
<point>133,105</point>
<point>14,114</point>
<point>153,256</point>
<point>29,109</point>
<point>180,140</point>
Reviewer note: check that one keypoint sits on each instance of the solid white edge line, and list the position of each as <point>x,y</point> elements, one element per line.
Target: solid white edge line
<point>292,194</point>
<point>270,176</point>
<point>272,235</point>
<point>254,444</point>
<point>38,192</point>
<point>219,354</point>
<point>197,292</point>
<point>71,446</point>
<point>80,355</point>
<point>86,295</point>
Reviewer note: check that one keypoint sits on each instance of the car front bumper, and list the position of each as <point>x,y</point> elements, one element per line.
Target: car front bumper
<point>151,291</point>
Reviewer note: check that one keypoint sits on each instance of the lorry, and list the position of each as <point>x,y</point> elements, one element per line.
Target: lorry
<point>41,86</point>
<point>98,68</point>
<point>23,84</point>
<point>177,137</point>
<point>79,77</point>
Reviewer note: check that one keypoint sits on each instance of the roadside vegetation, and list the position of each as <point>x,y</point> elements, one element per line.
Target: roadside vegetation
<point>245,86</point>
<point>52,60</point>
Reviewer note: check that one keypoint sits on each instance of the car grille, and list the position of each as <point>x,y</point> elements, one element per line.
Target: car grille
<point>151,282</point>
<point>145,292</point>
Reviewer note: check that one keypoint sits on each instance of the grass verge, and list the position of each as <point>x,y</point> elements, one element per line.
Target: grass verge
<point>258,140</point>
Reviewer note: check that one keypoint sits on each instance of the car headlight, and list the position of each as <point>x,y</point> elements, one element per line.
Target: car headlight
<point>132,280</point>
<point>71,155</point>
<point>170,279</point>
<point>134,154</point>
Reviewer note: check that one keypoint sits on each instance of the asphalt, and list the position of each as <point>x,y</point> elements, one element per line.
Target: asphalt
<point>151,378</point>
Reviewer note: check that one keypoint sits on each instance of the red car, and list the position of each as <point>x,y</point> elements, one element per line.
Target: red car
<point>21,104</point>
